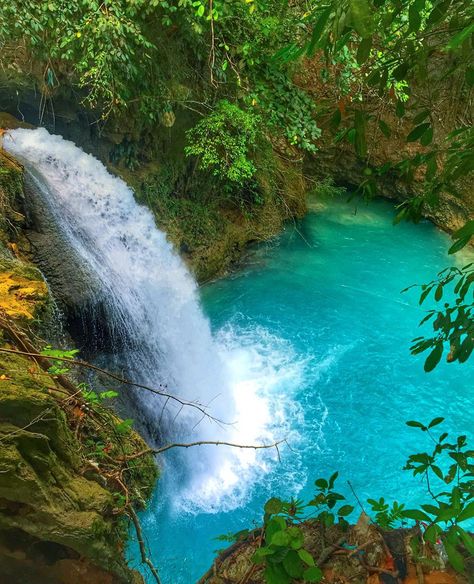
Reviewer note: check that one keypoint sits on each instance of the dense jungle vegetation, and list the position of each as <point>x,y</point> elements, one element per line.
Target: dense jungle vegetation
<point>240,69</point>
<point>238,65</point>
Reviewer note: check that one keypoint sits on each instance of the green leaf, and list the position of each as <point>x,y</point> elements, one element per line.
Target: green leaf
<point>427,137</point>
<point>275,525</point>
<point>363,52</point>
<point>400,71</point>
<point>455,558</point>
<point>261,554</point>
<point>417,132</point>
<point>460,37</point>
<point>313,574</point>
<point>275,574</point>
<point>438,12</point>
<point>281,538</point>
<point>415,424</point>
<point>332,479</point>
<point>318,30</point>
<point>292,564</point>
<point>297,537</point>
<point>306,557</point>
<point>421,117</point>
<point>466,230</point>
<point>345,510</point>
<point>416,514</point>
<point>467,539</point>
<point>431,509</point>
<point>466,513</point>
<point>273,506</point>
<point>432,533</point>
<point>459,244</point>
<point>361,17</point>
<point>438,292</point>
<point>415,15</point>
<point>400,109</point>
<point>435,422</point>
<point>434,357</point>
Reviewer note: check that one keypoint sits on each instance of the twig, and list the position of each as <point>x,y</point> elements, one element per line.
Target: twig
<point>327,552</point>
<point>145,559</point>
<point>43,361</point>
<point>202,443</point>
<point>355,495</point>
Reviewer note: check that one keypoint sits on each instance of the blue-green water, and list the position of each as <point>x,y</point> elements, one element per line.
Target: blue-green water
<point>317,326</point>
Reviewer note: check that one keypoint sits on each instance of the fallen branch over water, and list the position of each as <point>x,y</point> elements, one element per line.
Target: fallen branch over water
<point>45,363</point>
<point>202,443</point>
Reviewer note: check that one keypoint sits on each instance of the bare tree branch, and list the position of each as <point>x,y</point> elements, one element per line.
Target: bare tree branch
<point>43,361</point>
<point>202,443</point>
<point>145,559</point>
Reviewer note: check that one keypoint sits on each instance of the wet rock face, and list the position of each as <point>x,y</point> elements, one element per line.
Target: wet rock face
<point>64,270</point>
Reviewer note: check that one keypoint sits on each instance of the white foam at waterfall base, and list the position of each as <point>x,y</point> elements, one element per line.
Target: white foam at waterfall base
<point>152,305</point>
<point>264,373</point>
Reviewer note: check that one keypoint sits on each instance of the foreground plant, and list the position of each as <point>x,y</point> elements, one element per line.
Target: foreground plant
<point>447,471</point>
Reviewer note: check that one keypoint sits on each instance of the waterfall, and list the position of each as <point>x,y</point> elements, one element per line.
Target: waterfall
<point>152,307</point>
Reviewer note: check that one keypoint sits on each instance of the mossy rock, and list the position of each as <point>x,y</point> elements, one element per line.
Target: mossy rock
<point>46,494</point>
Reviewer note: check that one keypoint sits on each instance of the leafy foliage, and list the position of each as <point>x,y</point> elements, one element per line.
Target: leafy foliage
<point>449,464</point>
<point>447,471</point>
<point>396,45</point>
<point>453,324</point>
<point>223,140</point>
<point>283,553</point>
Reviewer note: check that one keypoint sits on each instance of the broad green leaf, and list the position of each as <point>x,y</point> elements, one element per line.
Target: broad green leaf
<point>467,539</point>
<point>415,424</point>
<point>280,538</point>
<point>421,117</point>
<point>275,525</point>
<point>460,243</point>
<point>345,510</point>
<point>361,17</point>
<point>297,537</point>
<point>455,558</point>
<point>306,557</point>
<point>415,15</point>
<point>273,506</point>
<point>293,565</point>
<point>432,533</point>
<point>467,229</point>
<point>363,52</point>
<point>438,12</point>
<point>427,137</point>
<point>434,357</point>
<point>400,109</point>
<point>416,514</point>
<point>460,37</point>
<point>417,132</point>
<point>318,30</point>
<point>276,574</point>
<point>261,554</point>
<point>430,509</point>
<point>466,513</point>
<point>435,422</point>
<point>313,574</point>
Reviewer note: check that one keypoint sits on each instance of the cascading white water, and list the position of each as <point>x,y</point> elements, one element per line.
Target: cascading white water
<point>152,304</point>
